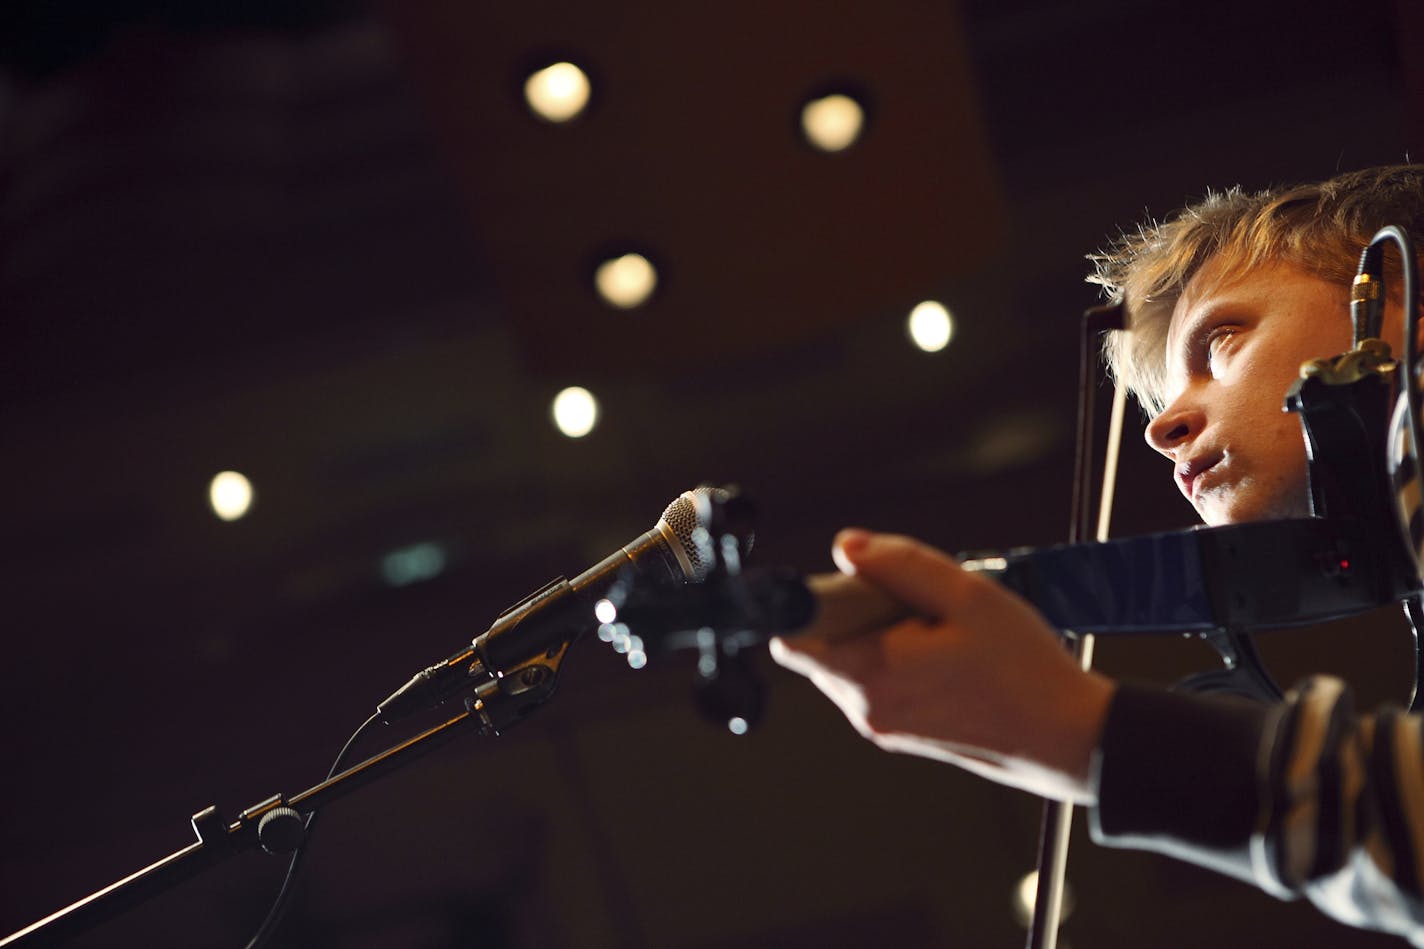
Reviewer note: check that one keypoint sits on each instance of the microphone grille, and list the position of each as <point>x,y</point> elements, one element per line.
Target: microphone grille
<point>684,516</point>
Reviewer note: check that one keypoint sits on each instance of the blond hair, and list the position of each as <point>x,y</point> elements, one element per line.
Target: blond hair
<point>1321,228</point>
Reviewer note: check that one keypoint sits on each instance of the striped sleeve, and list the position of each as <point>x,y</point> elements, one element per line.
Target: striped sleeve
<point>1306,798</point>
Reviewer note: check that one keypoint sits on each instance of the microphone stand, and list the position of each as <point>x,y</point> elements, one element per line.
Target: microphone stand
<point>508,676</point>
<point>276,824</point>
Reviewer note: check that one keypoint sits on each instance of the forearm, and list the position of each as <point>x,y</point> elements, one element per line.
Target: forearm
<point>1301,798</point>
<point>1179,774</point>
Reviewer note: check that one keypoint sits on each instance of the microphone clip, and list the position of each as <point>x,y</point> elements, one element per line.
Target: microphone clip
<point>511,696</point>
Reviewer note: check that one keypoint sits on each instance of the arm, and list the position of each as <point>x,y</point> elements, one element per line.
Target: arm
<point>1300,798</point>
<point>1304,798</point>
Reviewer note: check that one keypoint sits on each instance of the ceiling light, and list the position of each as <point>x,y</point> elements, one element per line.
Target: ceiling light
<point>1026,896</point>
<point>575,411</point>
<point>832,123</point>
<point>627,281</point>
<point>230,495</point>
<point>931,326</point>
<point>557,93</point>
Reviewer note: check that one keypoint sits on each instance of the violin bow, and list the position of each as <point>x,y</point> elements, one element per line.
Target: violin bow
<point>1057,819</point>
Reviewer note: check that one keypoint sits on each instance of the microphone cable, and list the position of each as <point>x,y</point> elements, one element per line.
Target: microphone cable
<point>284,895</point>
<point>674,539</point>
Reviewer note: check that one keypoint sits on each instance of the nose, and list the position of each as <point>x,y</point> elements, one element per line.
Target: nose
<point>1174,426</point>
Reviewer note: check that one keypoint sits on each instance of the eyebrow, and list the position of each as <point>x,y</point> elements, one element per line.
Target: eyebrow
<point>1178,349</point>
<point>1187,328</point>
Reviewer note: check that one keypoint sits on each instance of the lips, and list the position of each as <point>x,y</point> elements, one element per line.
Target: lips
<point>1189,471</point>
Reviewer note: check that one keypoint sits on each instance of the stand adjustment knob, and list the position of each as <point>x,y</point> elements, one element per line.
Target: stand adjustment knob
<point>281,830</point>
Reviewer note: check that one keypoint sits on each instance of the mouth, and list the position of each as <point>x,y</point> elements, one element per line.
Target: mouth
<point>1189,472</point>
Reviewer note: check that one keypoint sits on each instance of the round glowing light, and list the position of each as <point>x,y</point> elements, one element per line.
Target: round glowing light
<point>737,725</point>
<point>832,123</point>
<point>1026,897</point>
<point>605,611</point>
<point>931,326</point>
<point>627,281</point>
<point>557,93</point>
<point>230,494</point>
<point>575,411</point>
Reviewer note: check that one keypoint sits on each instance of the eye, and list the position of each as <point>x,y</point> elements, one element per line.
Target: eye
<point>1216,341</point>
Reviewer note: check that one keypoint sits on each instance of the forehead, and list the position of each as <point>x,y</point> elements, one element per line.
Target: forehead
<point>1263,289</point>
<point>1217,282</point>
<point>1301,309</point>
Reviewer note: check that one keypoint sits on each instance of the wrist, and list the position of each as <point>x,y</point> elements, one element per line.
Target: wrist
<point>1076,732</point>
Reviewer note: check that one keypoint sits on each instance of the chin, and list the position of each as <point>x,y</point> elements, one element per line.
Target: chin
<point>1244,508</point>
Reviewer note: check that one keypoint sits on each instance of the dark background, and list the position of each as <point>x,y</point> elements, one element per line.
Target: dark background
<point>324,244</point>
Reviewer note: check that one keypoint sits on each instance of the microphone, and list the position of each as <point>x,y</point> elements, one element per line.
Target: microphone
<point>677,550</point>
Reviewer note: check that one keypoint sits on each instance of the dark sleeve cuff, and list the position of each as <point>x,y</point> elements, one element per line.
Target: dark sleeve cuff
<point>1178,774</point>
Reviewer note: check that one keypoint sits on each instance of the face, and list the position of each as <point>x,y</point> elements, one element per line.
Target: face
<point>1233,349</point>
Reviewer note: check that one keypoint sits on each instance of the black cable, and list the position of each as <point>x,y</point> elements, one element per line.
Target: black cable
<point>284,895</point>
<point>1409,272</point>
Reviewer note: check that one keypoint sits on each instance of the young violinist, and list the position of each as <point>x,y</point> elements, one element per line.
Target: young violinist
<point>1224,301</point>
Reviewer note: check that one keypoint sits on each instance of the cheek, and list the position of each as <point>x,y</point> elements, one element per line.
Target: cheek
<point>1254,406</point>
<point>1254,428</point>
<point>1283,459</point>
<point>1260,383</point>
<point>1271,451</point>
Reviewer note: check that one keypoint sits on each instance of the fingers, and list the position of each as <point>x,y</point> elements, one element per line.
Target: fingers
<point>812,657</point>
<point>925,579</point>
<point>798,658</point>
<point>818,662</point>
<point>847,606</point>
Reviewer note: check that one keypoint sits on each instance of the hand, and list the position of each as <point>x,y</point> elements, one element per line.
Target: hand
<point>976,677</point>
